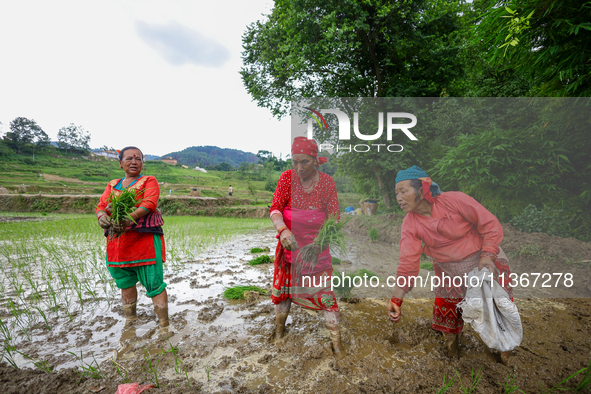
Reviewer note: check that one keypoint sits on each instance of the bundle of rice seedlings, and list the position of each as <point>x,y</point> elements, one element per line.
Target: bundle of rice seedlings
<point>237,292</point>
<point>332,235</point>
<point>122,206</point>
<point>260,250</point>
<point>263,259</point>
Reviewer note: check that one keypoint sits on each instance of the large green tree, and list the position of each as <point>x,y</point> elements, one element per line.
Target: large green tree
<point>350,48</point>
<point>547,41</point>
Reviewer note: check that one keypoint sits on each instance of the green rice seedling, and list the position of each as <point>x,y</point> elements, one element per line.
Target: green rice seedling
<point>47,325</point>
<point>237,292</point>
<point>445,386</point>
<point>41,364</point>
<point>332,235</point>
<point>474,380</point>
<point>92,370</point>
<point>374,235</point>
<point>119,368</point>
<point>510,386</point>
<point>123,205</point>
<point>152,369</point>
<point>336,261</point>
<point>426,266</point>
<point>262,259</point>
<point>9,350</point>
<point>582,386</point>
<point>207,367</point>
<point>5,331</point>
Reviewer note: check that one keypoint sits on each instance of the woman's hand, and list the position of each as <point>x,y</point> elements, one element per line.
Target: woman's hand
<point>487,262</point>
<point>394,312</point>
<point>288,240</point>
<point>121,226</point>
<point>105,221</point>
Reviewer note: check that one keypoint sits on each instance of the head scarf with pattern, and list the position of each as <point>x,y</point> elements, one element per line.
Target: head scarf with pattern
<point>303,145</point>
<point>430,189</point>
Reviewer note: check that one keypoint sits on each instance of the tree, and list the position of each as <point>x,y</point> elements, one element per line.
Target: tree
<point>374,48</point>
<point>264,156</point>
<point>547,40</point>
<point>73,137</point>
<point>24,131</point>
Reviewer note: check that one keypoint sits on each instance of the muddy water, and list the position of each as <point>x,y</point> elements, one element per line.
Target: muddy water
<point>224,346</point>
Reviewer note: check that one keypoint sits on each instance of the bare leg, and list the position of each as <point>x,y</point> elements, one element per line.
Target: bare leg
<point>505,357</point>
<point>129,300</point>
<point>332,323</point>
<point>160,302</point>
<point>452,343</point>
<point>281,313</point>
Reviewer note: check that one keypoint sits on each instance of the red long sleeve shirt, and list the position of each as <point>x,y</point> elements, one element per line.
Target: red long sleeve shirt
<point>459,226</point>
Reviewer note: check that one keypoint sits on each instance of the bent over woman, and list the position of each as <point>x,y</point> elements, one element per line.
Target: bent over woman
<point>459,234</point>
<point>135,251</point>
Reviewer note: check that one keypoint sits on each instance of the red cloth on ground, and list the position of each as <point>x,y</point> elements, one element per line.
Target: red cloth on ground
<point>458,227</point>
<point>133,388</point>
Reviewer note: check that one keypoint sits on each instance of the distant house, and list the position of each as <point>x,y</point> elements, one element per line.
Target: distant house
<point>169,160</point>
<point>184,166</point>
<point>109,154</point>
<point>201,169</point>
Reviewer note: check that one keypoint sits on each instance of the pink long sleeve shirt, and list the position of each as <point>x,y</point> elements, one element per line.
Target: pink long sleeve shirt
<point>459,226</point>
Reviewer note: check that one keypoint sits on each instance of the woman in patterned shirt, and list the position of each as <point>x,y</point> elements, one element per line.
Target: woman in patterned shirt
<point>303,200</point>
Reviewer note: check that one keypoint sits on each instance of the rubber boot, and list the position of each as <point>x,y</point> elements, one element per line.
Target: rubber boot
<point>162,313</point>
<point>452,343</point>
<point>130,311</point>
<point>280,319</point>
<point>337,343</point>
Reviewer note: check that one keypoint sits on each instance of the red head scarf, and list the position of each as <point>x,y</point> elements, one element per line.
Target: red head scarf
<point>303,145</point>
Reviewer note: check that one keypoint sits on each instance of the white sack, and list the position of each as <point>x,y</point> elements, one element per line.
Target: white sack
<point>489,310</point>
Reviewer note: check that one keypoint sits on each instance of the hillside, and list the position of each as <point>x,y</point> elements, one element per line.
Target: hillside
<point>204,156</point>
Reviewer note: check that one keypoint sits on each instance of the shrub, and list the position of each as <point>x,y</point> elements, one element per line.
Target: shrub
<point>546,220</point>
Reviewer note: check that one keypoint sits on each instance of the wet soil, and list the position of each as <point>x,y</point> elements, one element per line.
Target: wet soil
<point>224,346</point>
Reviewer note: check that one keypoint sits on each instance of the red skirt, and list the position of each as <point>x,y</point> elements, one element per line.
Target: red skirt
<point>313,292</point>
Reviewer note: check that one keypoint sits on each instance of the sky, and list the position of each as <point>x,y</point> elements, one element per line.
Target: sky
<point>161,75</point>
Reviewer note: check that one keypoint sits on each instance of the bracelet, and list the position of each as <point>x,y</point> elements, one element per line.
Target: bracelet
<point>396,301</point>
<point>488,254</point>
<point>281,229</point>
<point>100,216</point>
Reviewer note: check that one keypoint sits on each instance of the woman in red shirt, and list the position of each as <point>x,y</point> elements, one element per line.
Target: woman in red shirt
<point>458,233</point>
<point>135,251</point>
<point>303,200</point>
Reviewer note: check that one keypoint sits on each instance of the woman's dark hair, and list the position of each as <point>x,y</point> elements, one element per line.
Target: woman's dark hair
<point>416,184</point>
<point>128,148</point>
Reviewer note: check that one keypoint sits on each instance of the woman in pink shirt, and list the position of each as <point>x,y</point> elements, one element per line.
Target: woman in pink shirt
<point>459,234</point>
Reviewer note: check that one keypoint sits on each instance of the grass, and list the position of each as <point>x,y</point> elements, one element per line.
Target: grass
<point>237,292</point>
<point>336,261</point>
<point>263,259</point>
<point>427,266</point>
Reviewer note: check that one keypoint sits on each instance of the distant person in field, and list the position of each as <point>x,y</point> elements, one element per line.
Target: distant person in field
<point>459,234</point>
<point>303,200</point>
<point>135,249</point>
<point>230,191</point>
